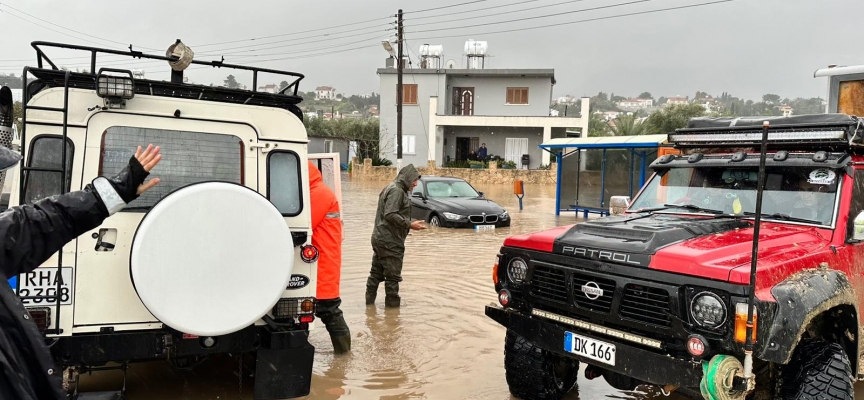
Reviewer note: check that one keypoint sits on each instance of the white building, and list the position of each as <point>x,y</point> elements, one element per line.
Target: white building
<point>678,100</point>
<point>635,104</point>
<point>271,88</point>
<point>325,93</point>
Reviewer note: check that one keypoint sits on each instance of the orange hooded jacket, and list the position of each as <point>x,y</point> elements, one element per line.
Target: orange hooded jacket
<point>326,234</point>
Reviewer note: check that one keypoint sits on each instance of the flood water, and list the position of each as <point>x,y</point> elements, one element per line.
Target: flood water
<point>439,345</point>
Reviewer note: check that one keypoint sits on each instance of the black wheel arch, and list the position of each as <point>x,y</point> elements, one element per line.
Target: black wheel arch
<point>819,303</point>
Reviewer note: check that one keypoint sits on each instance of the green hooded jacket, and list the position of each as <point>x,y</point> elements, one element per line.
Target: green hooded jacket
<point>393,218</point>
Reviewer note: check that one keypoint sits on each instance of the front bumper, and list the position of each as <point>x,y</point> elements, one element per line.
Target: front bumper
<point>465,223</point>
<point>636,362</point>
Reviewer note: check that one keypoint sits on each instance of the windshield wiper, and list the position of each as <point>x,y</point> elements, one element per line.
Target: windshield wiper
<point>694,207</point>
<point>785,217</point>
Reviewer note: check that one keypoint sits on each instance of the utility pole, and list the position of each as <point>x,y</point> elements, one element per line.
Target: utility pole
<point>399,67</point>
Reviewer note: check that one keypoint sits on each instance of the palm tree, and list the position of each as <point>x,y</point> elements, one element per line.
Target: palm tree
<point>627,125</point>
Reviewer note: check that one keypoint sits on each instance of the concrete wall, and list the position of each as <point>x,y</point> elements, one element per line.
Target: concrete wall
<point>495,139</point>
<point>366,172</point>
<point>415,118</point>
<point>490,95</point>
<point>316,145</point>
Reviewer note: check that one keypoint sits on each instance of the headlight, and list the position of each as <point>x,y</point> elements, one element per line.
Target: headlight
<point>708,310</point>
<point>504,214</point>
<point>452,216</point>
<point>517,270</point>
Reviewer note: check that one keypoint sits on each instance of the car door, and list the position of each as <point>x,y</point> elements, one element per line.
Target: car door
<point>419,206</point>
<point>193,151</point>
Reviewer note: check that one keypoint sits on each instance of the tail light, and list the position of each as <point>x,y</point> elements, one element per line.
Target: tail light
<point>307,319</point>
<point>309,253</point>
<point>301,308</point>
<point>41,316</point>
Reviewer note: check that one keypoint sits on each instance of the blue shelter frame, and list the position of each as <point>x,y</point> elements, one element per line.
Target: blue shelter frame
<point>563,147</point>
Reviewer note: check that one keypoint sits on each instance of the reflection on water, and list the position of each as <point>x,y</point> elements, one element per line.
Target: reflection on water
<point>439,345</point>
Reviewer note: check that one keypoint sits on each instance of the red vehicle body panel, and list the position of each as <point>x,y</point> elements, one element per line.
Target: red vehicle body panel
<point>784,249</point>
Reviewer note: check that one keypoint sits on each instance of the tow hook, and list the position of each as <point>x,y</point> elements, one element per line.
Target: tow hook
<point>592,372</point>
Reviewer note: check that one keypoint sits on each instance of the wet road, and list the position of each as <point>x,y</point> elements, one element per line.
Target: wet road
<point>439,345</point>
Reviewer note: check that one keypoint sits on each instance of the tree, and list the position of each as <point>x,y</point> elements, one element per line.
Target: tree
<point>646,95</point>
<point>17,112</point>
<point>771,98</point>
<point>597,126</point>
<point>283,85</point>
<point>627,125</point>
<point>673,117</point>
<point>231,82</point>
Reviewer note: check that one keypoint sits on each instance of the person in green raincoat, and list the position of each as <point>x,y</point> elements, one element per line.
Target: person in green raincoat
<point>392,224</point>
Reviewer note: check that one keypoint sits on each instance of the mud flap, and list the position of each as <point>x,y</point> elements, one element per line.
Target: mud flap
<point>283,367</point>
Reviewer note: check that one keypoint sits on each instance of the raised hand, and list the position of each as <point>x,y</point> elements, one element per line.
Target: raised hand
<point>148,159</point>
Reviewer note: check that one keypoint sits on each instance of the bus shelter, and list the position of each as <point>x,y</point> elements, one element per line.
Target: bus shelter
<point>591,170</point>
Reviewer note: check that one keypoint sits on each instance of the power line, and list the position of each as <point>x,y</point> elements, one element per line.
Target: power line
<point>539,16</point>
<point>579,21</point>
<point>443,7</point>
<point>470,11</point>
<point>297,33</point>
<point>69,29</point>
<point>500,13</point>
<point>219,51</point>
<point>50,29</point>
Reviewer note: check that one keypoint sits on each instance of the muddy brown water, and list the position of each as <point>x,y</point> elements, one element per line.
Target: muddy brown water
<point>439,345</point>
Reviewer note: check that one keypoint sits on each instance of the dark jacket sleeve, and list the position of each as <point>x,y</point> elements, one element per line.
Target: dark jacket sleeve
<point>392,207</point>
<point>31,234</point>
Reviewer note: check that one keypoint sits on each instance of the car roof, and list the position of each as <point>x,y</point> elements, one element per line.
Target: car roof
<point>440,178</point>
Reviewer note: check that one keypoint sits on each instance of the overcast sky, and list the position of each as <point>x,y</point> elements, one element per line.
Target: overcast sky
<point>745,47</point>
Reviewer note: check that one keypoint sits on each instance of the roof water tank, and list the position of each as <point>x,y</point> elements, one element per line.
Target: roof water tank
<point>475,47</point>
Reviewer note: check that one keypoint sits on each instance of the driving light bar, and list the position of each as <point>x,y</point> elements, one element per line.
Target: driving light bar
<point>752,137</point>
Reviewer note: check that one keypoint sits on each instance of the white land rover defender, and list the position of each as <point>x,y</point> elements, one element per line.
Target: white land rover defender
<point>216,259</point>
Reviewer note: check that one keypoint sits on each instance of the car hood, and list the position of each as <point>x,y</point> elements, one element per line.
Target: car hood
<point>712,248</point>
<point>467,205</point>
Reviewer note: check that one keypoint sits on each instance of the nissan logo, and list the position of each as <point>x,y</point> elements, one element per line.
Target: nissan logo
<point>592,290</point>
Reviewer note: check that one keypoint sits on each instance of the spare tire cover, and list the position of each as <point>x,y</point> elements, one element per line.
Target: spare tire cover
<point>211,258</point>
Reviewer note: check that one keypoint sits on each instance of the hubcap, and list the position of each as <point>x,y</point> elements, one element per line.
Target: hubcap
<point>434,220</point>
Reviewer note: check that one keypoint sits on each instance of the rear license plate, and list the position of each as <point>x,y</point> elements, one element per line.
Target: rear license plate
<point>43,282</point>
<point>484,227</point>
<point>590,348</point>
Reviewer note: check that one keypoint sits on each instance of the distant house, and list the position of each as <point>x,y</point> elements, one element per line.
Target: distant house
<point>635,104</point>
<point>671,101</point>
<point>608,115</point>
<point>373,111</point>
<point>568,99</point>
<point>325,93</point>
<point>271,88</point>
<point>786,110</point>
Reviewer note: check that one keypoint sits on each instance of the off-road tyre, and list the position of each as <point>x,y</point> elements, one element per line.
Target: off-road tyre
<point>819,370</point>
<point>531,371</point>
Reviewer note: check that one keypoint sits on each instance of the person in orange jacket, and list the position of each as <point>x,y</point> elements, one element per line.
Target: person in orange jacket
<point>327,237</point>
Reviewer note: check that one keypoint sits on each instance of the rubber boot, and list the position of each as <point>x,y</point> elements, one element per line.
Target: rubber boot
<point>392,301</point>
<point>341,343</point>
<point>371,290</point>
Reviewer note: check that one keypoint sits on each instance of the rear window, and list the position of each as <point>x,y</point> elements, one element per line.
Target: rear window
<point>46,152</point>
<point>187,158</point>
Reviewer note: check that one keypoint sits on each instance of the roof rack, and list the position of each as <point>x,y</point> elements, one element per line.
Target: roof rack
<point>817,131</point>
<point>54,76</point>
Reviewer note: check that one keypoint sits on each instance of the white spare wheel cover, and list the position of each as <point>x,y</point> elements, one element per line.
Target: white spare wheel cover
<point>211,258</point>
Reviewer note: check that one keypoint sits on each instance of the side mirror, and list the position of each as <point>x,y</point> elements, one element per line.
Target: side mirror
<point>619,204</point>
<point>858,233</point>
<point>417,195</point>
<point>480,193</point>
